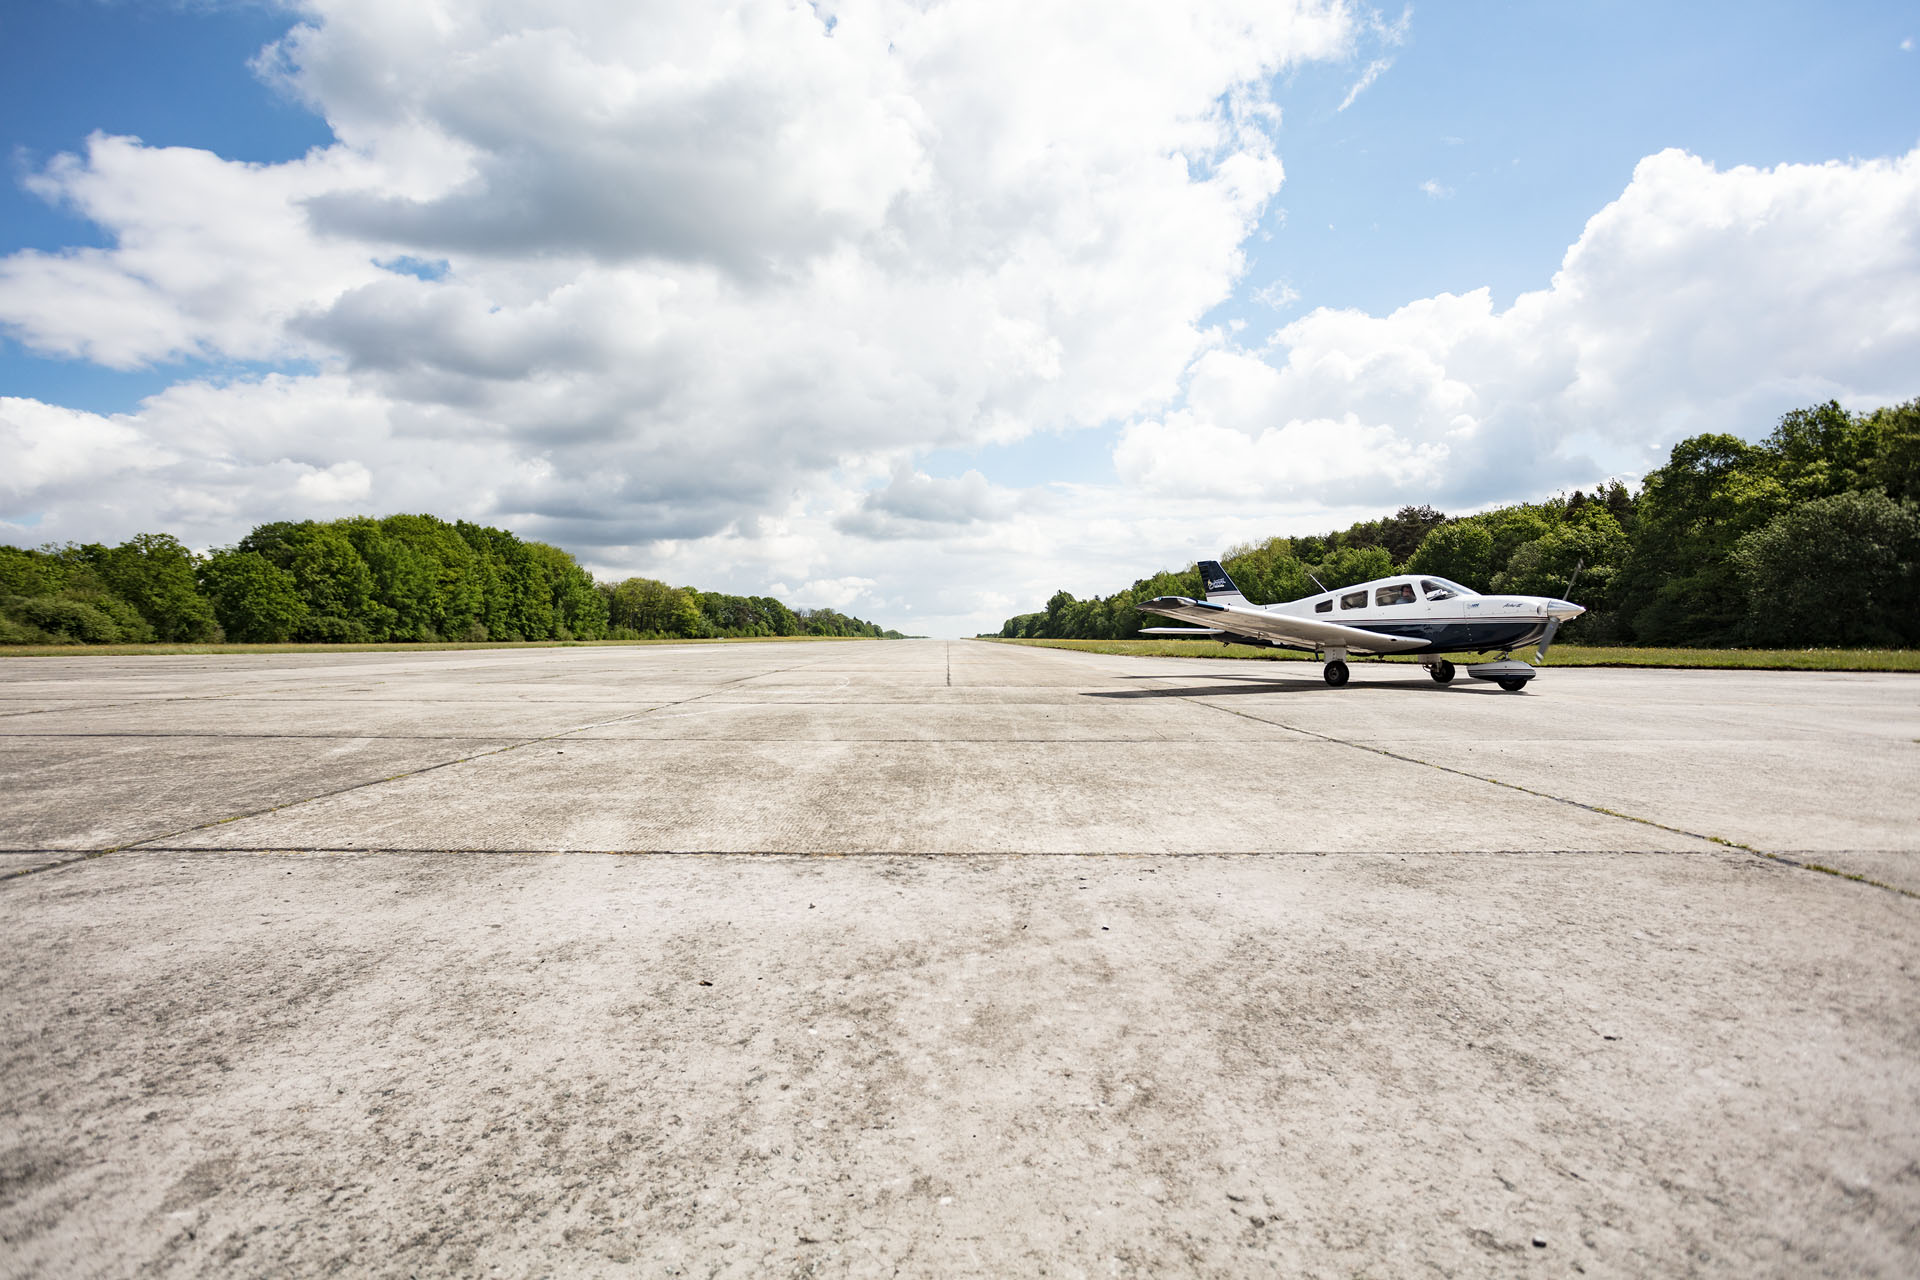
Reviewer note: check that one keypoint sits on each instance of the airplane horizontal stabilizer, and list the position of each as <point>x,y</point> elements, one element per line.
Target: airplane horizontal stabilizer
<point>1181,631</point>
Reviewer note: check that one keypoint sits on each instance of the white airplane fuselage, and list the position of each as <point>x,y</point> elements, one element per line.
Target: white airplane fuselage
<point>1443,622</point>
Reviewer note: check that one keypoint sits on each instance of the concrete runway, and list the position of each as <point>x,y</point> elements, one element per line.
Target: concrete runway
<point>366,983</point>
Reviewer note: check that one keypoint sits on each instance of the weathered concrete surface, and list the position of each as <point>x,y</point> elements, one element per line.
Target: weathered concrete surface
<point>1490,1014</point>
<point>943,748</point>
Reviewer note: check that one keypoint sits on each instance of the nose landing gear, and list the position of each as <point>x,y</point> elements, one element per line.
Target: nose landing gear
<point>1441,671</point>
<point>1508,673</point>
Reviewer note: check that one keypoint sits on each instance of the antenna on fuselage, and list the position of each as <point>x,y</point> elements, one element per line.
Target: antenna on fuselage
<point>1318,583</point>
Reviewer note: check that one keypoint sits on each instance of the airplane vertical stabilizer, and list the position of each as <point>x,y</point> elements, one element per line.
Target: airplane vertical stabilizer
<point>1217,586</point>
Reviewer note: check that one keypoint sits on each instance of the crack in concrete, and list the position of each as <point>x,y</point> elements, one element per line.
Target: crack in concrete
<point>1546,795</point>
<point>149,843</point>
<point>405,850</point>
<point>297,737</point>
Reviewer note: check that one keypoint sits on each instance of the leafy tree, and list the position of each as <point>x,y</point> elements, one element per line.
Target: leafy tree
<point>404,577</point>
<point>1896,450</point>
<point>627,607</point>
<point>1595,547</point>
<point>131,627</point>
<point>780,619</point>
<point>403,586</point>
<point>1511,528</point>
<point>1462,551</point>
<point>1840,570</point>
<point>60,619</point>
<point>277,540</point>
<point>1267,571</point>
<point>256,601</point>
<point>1407,528</point>
<point>524,578</point>
<point>1349,565</point>
<point>519,599</point>
<point>1820,451</point>
<point>1057,612</point>
<point>28,573</point>
<point>684,616</point>
<point>650,608</point>
<point>155,574</point>
<point>458,598</point>
<point>1678,585</point>
<point>334,582</point>
<point>70,573</point>
<point>326,629</point>
<point>1619,502</point>
<point>578,610</point>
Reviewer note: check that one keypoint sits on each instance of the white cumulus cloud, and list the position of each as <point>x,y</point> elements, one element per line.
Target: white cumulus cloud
<point>696,260</point>
<point>341,483</point>
<point>832,593</point>
<point>1699,300</point>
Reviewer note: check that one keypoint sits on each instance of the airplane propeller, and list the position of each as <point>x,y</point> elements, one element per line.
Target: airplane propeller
<point>1553,624</point>
<point>1540,654</point>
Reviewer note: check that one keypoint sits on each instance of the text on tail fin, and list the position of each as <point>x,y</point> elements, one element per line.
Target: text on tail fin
<point>1214,579</point>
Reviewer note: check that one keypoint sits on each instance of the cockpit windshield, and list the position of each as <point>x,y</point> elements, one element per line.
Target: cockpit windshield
<point>1442,589</point>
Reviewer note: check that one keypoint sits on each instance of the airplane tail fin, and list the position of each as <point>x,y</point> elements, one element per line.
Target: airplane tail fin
<point>1217,586</point>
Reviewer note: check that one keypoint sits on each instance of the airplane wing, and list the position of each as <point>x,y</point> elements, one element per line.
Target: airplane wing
<point>1282,628</point>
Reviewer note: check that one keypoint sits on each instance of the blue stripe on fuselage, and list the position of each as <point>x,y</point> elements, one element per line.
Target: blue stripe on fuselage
<point>1461,637</point>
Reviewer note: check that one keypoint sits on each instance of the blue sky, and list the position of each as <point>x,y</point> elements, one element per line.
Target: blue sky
<point>318,337</point>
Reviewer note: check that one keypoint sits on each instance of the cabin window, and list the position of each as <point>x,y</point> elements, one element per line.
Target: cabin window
<point>1354,600</point>
<point>1324,606</point>
<point>1398,593</point>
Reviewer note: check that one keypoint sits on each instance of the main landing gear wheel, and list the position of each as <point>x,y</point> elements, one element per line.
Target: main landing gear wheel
<point>1336,674</point>
<point>1513,685</point>
<point>1442,672</point>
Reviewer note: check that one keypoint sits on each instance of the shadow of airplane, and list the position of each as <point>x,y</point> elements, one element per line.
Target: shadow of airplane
<point>1263,684</point>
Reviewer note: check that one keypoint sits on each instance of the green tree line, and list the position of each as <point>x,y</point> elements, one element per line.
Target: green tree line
<point>402,578</point>
<point>1811,537</point>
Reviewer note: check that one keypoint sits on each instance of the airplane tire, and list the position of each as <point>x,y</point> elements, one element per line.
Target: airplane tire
<point>1513,685</point>
<point>1336,674</point>
<point>1442,672</point>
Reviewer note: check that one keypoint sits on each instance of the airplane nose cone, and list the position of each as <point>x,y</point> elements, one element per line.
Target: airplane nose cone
<point>1564,610</point>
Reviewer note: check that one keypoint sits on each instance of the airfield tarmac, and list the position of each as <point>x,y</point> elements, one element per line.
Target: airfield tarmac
<point>553,961</point>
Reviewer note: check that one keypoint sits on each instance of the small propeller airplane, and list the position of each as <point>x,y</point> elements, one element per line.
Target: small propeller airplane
<point>1408,613</point>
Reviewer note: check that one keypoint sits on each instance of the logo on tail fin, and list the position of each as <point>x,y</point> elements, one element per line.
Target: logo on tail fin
<point>1216,579</point>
